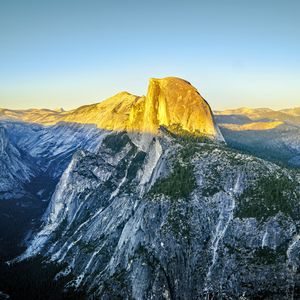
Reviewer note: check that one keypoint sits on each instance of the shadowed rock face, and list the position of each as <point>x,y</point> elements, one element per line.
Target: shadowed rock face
<point>15,168</point>
<point>169,102</point>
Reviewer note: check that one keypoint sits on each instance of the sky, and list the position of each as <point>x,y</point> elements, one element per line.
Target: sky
<point>68,53</point>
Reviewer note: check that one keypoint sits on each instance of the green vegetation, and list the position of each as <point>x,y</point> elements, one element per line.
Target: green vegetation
<point>86,247</point>
<point>147,256</point>
<point>183,135</point>
<point>115,286</point>
<point>270,195</point>
<point>179,184</point>
<point>136,164</point>
<point>269,256</point>
<point>116,141</point>
<point>213,182</point>
<point>177,222</point>
<point>231,249</point>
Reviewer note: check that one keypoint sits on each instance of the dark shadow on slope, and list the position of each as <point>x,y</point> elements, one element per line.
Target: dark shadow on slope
<point>262,144</point>
<point>34,280</point>
<point>20,217</point>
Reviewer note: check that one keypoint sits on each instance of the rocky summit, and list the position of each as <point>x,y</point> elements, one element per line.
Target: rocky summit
<point>151,203</point>
<point>169,102</point>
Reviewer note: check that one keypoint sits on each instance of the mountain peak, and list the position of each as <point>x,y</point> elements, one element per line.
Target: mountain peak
<point>169,102</point>
<point>174,101</point>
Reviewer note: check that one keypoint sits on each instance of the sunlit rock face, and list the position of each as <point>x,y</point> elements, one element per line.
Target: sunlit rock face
<point>111,114</point>
<point>41,116</point>
<point>169,102</point>
<point>173,101</point>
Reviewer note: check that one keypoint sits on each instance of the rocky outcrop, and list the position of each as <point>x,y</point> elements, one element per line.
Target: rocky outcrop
<point>173,101</point>
<point>184,218</point>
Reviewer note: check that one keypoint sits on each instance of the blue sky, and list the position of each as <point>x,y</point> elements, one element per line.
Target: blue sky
<point>70,53</point>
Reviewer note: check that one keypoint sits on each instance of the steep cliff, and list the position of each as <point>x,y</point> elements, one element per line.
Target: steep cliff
<point>184,218</point>
<point>173,101</point>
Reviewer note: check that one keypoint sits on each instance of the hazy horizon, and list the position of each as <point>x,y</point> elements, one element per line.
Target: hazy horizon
<point>72,53</point>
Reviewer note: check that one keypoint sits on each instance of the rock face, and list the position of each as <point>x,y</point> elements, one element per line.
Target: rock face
<point>32,160</point>
<point>15,168</point>
<point>31,150</point>
<point>169,102</point>
<point>184,218</point>
<point>172,101</point>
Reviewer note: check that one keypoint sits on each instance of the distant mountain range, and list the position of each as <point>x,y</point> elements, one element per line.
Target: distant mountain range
<point>262,115</point>
<point>273,135</point>
<point>151,197</point>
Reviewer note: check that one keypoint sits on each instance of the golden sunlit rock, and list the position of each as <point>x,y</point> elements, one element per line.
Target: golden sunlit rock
<point>173,101</point>
<point>247,111</point>
<point>290,115</point>
<point>253,126</point>
<point>292,111</point>
<point>169,102</point>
